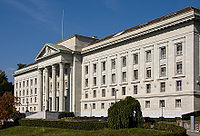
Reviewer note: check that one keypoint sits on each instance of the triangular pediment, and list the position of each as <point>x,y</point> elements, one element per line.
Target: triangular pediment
<point>46,50</point>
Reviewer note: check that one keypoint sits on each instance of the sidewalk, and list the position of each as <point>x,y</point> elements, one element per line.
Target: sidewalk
<point>193,133</point>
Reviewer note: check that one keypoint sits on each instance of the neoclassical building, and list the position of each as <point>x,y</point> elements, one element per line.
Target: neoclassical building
<point>157,62</point>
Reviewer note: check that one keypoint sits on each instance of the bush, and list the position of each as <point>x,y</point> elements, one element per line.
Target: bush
<point>65,114</point>
<point>84,125</point>
<point>124,114</point>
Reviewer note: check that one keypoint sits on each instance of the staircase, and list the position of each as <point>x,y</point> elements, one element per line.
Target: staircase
<point>43,115</point>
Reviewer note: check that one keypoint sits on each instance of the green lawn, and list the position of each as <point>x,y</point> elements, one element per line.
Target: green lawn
<point>40,131</point>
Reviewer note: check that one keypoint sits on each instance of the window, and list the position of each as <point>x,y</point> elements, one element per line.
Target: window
<point>179,85</point>
<point>35,90</point>
<point>102,105</point>
<point>93,106</point>
<point>103,66</point>
<point>179,49</point>
<point>179,67</point>
<point>135,89</point>
<point>148,56</point>
<point>135,74</point>
<point>148,88</point>
<point>86,82</point>
<point>35,99</point>
<point>123,76</point>
<point>31,82</point>
<point>104,79</point>
<point>163,70</point>
<point>31,91</point>
<point>123,90</point>
<point>147,104</point>
<point>23,92</point>
<point>20,93</point>
<point>94,93</point>
<point>27,83</point>
<point>94,81</point>
<point>85,106</point>
<point>31,100</point>
<point>103,93</point>
<point>16,85</point>
<point>148,73</point>
<point>35,81</point>
<point>94,68</point>
<point>113,78</point>
<point>113,92</point>
<point>20,85</point>
<point>162,87</point>
<point>178,103</point>
<point>135,58</point>
<point>162,103</point>
<point>86,95</point>
<point>86,70</point>
<point>113,64</point>
<point>124,61</point>
<point>23,83</point>
<point>162,52</point>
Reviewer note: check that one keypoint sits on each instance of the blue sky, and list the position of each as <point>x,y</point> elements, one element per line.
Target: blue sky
<point>25,25</point>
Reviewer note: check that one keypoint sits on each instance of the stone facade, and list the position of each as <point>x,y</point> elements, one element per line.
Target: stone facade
<point>156,63</point>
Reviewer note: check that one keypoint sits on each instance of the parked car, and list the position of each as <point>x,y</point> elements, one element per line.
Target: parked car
<point>104,119</point>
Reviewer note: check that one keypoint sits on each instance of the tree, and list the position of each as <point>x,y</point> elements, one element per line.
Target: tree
<point>125,114</point>
<point>20,66</point>
<point>7,106</point>
<point>4,84</point>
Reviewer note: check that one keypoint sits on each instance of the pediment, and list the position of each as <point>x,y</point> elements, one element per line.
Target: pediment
<point>47,50</point>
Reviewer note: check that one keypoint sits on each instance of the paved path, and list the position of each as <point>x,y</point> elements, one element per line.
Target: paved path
<point>192,133</point>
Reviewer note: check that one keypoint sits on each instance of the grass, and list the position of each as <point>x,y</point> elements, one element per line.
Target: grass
<point>197,119</point>
<point>41,131</point>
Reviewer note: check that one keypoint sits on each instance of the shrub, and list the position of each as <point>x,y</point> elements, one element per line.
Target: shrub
<point>84,125</point>
<point>65,114</point>
<point>124,114</point>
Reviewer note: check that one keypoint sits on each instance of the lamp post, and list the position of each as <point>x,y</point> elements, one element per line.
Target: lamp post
<point>27,106</point>
<point>116,95</point>
<point>90,110</point>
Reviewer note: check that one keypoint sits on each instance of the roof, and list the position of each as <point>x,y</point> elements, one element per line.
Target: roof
<point>147,23</point>
<point>60,47</point>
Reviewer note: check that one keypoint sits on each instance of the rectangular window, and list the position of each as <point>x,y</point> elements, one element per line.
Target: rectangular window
<point>148,88</point>
<point>135,74</point>
<point>113,64</point>
<point>162,103</point>
<point>148,56</point>
<point>31,82</point>
<point>94,81</point>
<point>147,104</point>
<point>179,49</point>
<point>93,106</point>
<point>162,87</point>
<point>102,105</point>
<point>113,78</point>
<point>135,58</point>
<point>103,66</point>
<point>178,103</point>
<point>23,83</point>
<point>179,85</point>
<point>35,90</point>
<point>148,73</point>
<point>27,83</point>
<point>16,85</point>
<point>103,93</point>
<point>94,93</point>
<point>85,106</point>
<point>179,68</point>
<point>86,94</point>
<point>124,61</point>
<point>163,70</point>
<point>35,81</point>
<point>135,89</point>
<point>86,82</point>
<point>104,79</point>
<point>94,68</point>
<point>123,76</point>
<point>162,52</point>
<point>113,92</point>
<point>123,90</point>
<point>86,70</point>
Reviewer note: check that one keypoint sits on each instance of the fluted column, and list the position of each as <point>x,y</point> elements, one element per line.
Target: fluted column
<point>61,88</point>
<point>40,90</point>
<point>46,89</point>
<point>53,88</point>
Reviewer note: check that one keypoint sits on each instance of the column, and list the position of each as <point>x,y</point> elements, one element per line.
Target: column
<point>61,88</point>
<point>40,90</point>
<point>53,88</point>
<point>46,89</point>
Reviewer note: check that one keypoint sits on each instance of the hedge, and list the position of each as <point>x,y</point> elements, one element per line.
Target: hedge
<point>172,129</point>
<point>65,114</point>
<point>80,125</point>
